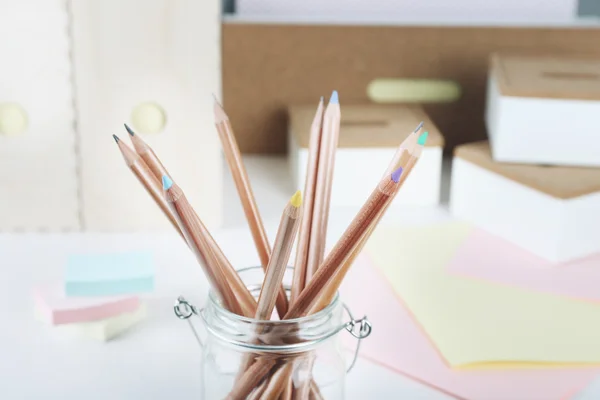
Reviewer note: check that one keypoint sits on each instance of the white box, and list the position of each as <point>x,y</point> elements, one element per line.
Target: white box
<point>544,110</point>
<point>553,212</point>
<point>369,138</point>
<point>165,54</point>
<point>38,168</point>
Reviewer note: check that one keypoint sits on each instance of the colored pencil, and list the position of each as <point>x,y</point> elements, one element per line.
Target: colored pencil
<point>258,391</point>
<point>320,217</point>
<point>150,182</point>
<point>308,204</point>
<point>251,379</point>
<point>409,143</point>
<point>284,241</point>
<point>343,247</point>
<point>282,248</point>
<point>242,184</point>
<point>276,384</point>
<point>407,161</point>
<point>188,224</point>
<point>155,187</point>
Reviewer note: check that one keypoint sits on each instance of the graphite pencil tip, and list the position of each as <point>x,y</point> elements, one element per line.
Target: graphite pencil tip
<point>396,175</point>
<point>334,98</point>
<point>131,132</point>
<point>220,114</point>
<point>418,128</point>
<point>422,138</point>
<point>296,199</point>
<point>116,138</point>
<point>167,182</point>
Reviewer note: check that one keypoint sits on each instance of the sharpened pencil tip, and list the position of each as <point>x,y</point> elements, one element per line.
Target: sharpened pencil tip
<point>167,182</point>
<point>116,138</point>
<point>422,138</point>
<point>296,199</point>
<point>418,128</point>
<point>396,175</point>
<point>131,132</point>
<point>334,98</point>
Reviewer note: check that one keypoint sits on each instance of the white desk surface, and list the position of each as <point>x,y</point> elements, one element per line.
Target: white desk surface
<point>159,359</point>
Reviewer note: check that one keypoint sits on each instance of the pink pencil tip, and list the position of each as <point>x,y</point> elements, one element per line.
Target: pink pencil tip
<point>396,175</point>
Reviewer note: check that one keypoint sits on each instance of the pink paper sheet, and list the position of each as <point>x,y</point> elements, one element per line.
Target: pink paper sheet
<point>398,343</point>
<point>59,309</point>
<point>488,257</point>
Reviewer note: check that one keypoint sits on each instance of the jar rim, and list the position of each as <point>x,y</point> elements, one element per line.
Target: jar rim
<point>214,300</point>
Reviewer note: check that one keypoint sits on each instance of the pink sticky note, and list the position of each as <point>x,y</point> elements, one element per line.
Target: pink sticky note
<point>58,309</point>
<point>399,343</point>
<point>491,258</point>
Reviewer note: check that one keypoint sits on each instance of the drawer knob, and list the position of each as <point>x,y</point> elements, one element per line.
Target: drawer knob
<point>13,119</point>
<point>148,117</point>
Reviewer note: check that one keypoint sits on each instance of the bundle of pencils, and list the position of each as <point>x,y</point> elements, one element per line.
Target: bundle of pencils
<point>316,278</point>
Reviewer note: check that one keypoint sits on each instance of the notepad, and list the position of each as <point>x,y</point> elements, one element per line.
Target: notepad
<point>399,343</point>
<point>488,257</point>
<point>473,323</point>
<point>56,309</point>
<point>102,330</point>
<point>109,274</point>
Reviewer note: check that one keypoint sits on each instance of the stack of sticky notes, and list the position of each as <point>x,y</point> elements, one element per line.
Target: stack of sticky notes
<point>475,316</point>
<point>100,296</point>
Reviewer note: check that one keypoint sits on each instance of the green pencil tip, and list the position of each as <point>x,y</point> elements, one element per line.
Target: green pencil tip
<point>422,138</point>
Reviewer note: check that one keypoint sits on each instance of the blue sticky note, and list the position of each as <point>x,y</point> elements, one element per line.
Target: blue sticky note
<point>109,274</point>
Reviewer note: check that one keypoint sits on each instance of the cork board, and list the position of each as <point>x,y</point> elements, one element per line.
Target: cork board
<point>547,76</point>
<point>267,67</point>
<point>560,182</point>
<point>369,125</point>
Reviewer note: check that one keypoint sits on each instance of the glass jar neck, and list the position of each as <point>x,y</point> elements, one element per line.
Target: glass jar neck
<point>294,335</point>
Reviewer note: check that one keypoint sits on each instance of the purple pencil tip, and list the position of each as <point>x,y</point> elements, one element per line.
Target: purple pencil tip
<point>396,175</point>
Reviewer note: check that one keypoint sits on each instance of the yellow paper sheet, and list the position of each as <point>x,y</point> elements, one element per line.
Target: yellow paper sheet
<point>474,322</point>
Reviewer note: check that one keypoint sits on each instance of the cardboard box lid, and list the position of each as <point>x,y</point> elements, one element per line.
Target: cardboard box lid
<point>556,181</point>
<point>556,77</point>
<point>368,125</point>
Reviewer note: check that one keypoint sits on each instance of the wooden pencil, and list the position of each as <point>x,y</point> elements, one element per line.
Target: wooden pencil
<point>344,246</point>
<point>188,224</point>
<point>320,217</point>
<point>150,182</point>
<point>134,160</point>
<point>147,154</point>
<point>253,378</point>
<point>242,184</point>
<point>246,300</point>
<point>284,241</point>
<point>277,382</point>
<point>329,140</point>
<point>258,391</point>
<point>307,205</point>
<point>409,143</point>
<point>407,161</point>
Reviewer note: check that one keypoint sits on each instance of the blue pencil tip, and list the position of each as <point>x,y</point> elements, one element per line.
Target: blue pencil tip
<point>334,98</point>
<point>396,175</point>
<point>167,182</point>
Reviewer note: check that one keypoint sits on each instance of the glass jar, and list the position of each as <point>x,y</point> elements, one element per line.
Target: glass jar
<point>303,356</point>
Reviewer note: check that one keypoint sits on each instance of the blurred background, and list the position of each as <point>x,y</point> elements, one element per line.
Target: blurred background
<point>509,93</point>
